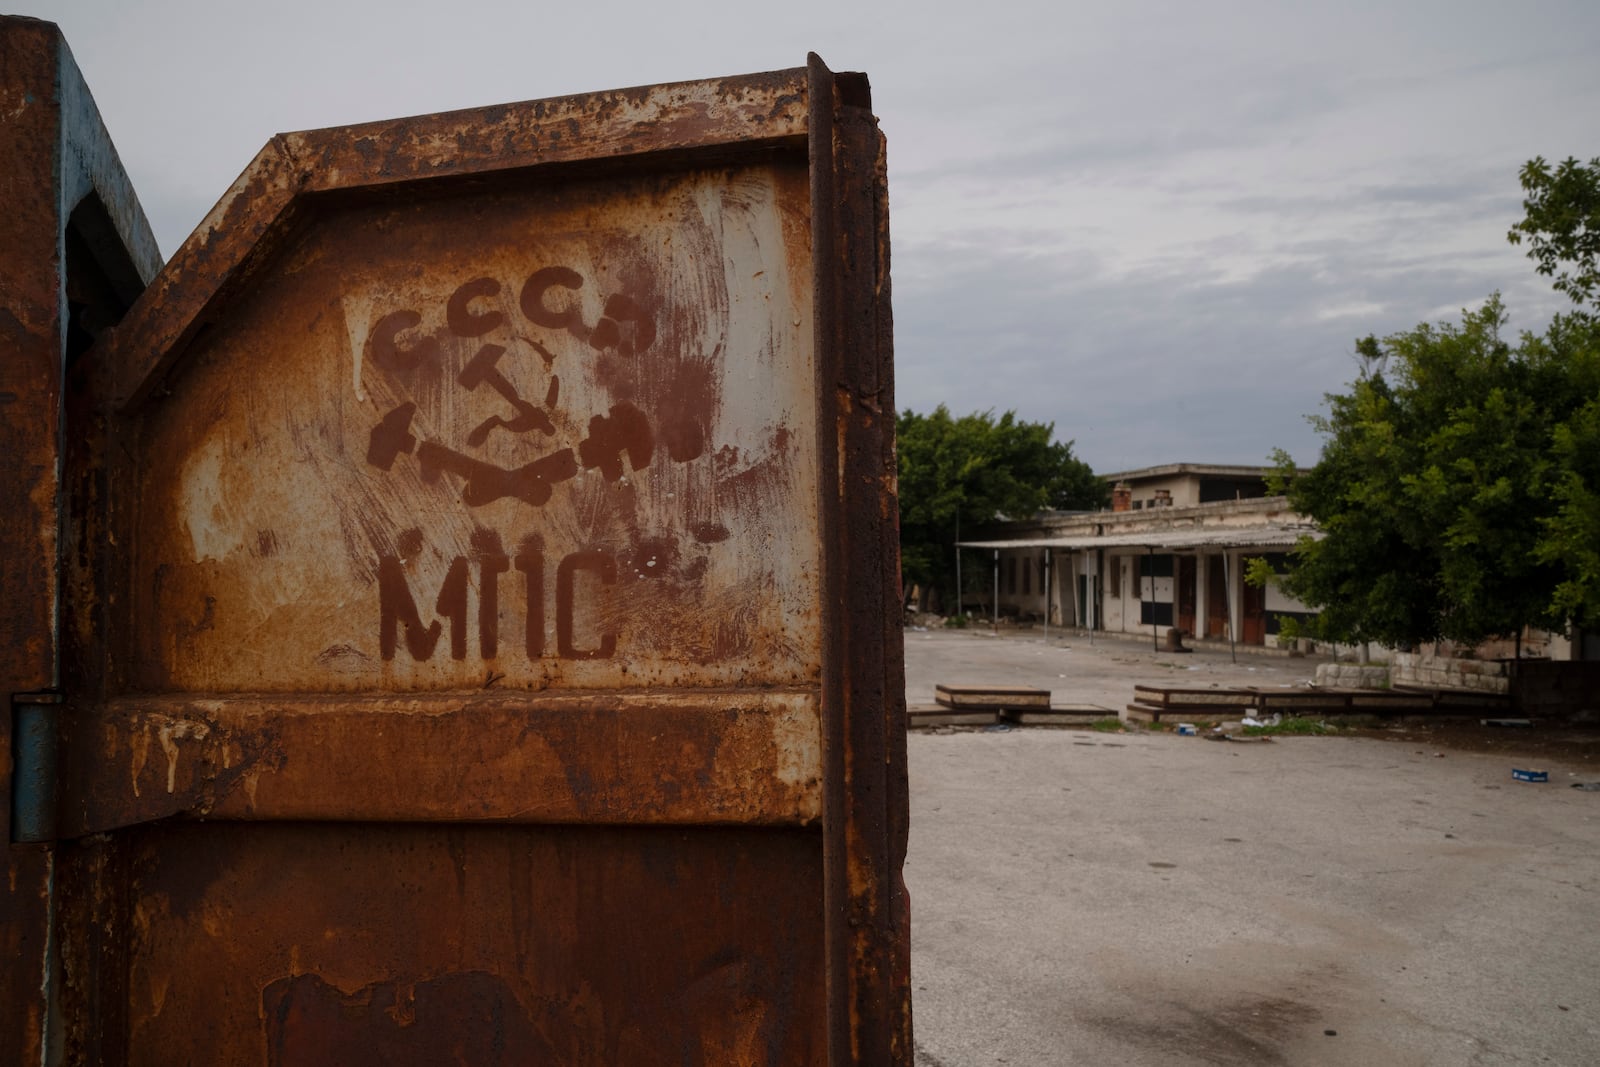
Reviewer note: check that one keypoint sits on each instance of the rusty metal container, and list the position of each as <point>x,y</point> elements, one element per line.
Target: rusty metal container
<point>75,251</point>
<point>480,583</point>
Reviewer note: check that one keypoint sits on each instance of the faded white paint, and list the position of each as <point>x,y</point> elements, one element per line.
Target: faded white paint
<point>169,734</point>
<point>213,533</point>
<point>357,311</point>
<point>796,725</point>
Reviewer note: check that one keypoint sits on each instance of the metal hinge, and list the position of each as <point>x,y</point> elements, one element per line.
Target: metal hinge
<point>34,758</point>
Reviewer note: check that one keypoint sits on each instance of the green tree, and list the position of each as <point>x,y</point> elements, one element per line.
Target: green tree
<point>975,469</point>
<point>1457,486</point>
<point>1459,481</point>
<point>1562,226</point>
<point>1373,575</point>
<point>1561,223</point>
<point>1569,355</point>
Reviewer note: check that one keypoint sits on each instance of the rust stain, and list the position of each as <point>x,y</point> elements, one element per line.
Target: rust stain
<point>471,1017</point>
<point>169,735</point>
<point>680,757</point>
<point>594,947</point>
<point>493,669</point>
<point>631,387</point>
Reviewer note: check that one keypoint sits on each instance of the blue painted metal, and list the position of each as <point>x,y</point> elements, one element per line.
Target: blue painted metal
<point>34,759</point>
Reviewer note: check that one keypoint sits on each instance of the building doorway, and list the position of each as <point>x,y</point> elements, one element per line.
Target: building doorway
<point>1253,625</point>
<point>1216,599</point>
<point>1185,575</point>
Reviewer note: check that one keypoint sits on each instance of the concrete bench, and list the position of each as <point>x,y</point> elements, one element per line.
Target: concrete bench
<point>992,697</point>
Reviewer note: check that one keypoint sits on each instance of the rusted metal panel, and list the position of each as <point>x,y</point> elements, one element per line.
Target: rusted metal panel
<point>685,757</point>
<point>481,945</point>
<point>657,123</point>
<point>576,426</point>
<point>866,793</point>
<point>74,249</point>
<point>30,346</point>
<point>482,601</point>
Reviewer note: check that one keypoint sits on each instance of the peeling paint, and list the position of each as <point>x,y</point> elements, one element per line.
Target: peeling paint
<point>797,743</point>
<point>139,755</point>
<point>357,313</point>
<point>170,733</point>
<point>207,514</point>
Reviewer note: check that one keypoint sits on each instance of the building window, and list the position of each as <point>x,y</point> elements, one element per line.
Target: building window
<point>1150,566</point>
<point>1155,614</point>
<point>1027,576</point>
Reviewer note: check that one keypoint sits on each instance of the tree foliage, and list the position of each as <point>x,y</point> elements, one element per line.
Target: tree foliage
<point>1571,535</point>
<point>1459,481</point>
<point>1562,223</point>
<point>975,469</point>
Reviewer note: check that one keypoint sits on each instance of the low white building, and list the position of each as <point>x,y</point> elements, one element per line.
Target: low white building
<point>1170,553</point>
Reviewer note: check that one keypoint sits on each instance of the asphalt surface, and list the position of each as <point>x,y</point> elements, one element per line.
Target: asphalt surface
<point>1082,897</point>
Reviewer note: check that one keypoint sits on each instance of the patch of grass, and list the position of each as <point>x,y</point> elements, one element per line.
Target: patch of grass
<point>1107,726</point>
<point>1293,726</point>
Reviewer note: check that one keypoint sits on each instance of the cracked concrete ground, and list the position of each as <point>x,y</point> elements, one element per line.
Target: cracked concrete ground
<point>1081,897</point>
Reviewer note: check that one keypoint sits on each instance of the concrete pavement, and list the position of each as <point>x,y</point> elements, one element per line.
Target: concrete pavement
<point>1078,669</point>
<point>1090,898</point>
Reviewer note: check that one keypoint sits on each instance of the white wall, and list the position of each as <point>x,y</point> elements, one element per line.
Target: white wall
<point>1278,600</point>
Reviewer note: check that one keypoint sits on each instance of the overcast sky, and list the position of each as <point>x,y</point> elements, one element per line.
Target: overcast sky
<point>1159,226</point>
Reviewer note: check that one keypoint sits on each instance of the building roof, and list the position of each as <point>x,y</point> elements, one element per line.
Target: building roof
<point>1278,536</point>
<point>1164,470</point>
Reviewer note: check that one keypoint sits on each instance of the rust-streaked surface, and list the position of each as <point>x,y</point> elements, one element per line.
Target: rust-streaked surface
<point>74,248</point>
<point>574,422</point>
<point>478,945</point>
<point>863,685</point>
<point>30,340</point>
<point>482,601</point>
<point>667,122</point>
<point>749,757</point>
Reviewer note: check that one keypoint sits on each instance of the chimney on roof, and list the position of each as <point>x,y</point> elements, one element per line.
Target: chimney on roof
<point>1121,497</point>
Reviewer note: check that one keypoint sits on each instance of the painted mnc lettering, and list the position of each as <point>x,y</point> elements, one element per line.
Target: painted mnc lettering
<point>398,611</point>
